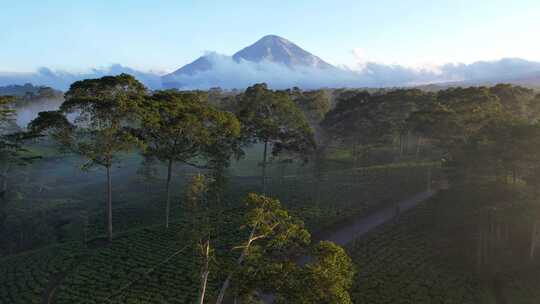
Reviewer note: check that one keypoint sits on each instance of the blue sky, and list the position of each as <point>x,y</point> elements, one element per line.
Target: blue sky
<point>163,35</point>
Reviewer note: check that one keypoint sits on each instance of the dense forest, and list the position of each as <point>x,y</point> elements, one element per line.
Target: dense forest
<point>118,194</point>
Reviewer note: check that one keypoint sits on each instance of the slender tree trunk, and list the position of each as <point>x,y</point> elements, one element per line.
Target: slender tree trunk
<point>109,205</point>
<point>400,145</point>
<point>264,167</point>
<point>205,272</point>
<point>429,179</point>
<point>534,239</point>
<point>479,249</point>
<point>168,203</point>
<point>227,281</point>
<point>5,180</point>
<point>408,142</point>
<point>355,155</point>
<point>418,142</point>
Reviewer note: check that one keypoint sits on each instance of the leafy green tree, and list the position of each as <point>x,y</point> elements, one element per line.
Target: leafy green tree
<point>196,204</point>
<point>272,118</point>
<point>8,148</point>
<point>325,279</point>
<point>100,130</point>
<point>268,263</point>
<point>315,104</point>
<point>12,138</point>
<point>515,100</point>
<point>180,127</point>
<point>455,115</point>
<point>365,121</point>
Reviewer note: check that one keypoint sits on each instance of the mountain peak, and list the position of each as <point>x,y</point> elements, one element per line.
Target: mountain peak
<point>277,49</point>
<point>273,39</point>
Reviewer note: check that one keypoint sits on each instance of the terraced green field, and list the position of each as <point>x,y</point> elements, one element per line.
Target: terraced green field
<point>26,277</point>
<point>409,261</point>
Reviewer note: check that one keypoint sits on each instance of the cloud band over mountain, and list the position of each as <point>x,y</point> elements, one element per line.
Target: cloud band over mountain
<point>283,64</point>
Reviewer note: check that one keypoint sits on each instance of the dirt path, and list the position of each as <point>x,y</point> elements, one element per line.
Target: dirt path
<point>364,224</point>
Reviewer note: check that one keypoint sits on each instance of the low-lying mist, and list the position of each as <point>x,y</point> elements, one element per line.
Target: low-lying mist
<point>61,80</point>
<point>28,111</point>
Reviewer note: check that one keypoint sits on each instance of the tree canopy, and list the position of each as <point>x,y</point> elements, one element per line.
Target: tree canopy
<point>181,127</point>
<point>103,110</point>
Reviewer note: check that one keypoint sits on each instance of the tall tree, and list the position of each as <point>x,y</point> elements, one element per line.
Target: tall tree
<point>100,130</point>
<point>268,263</point>
<point>12,151</point>
<point>272,118</point>
<point>181,127</point>
<point>9,149</point>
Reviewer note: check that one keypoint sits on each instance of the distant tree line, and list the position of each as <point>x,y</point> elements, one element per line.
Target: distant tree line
<point>28,92</point>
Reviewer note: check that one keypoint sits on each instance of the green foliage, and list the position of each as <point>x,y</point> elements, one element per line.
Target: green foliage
<point>181,126</point>
<point>327,279</point>
<point>270,264</point>
<point>195,192</point>
<point>366,118</point>
<point>515,100</point>
<point>272,117</point>
<point>314,104</point>
<point>500,149</point>
<point>102,108</point>
<point>100,131</point>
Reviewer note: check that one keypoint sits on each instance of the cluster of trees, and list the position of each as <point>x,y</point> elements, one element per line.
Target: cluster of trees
<point>117,114</point>
<point>443,119</point>
<point>486,137</point>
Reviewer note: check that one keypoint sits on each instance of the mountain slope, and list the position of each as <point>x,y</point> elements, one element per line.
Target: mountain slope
<point>269,49</point>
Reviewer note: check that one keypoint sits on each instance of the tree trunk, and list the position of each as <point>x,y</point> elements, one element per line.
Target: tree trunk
<point>227,281</point>
<point>168,202</point>
<point>264,167</point>
<point>429,179</point>
<point>534,239</point>
<point>418,142</point>
<point>109,205</point>
<point>355,155</point>
<point>205,272</point>
<point>479,249</point>
<point>5,180</point>
<point>400,145</point>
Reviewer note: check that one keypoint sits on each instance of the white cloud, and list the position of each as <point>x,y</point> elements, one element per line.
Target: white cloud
<point>229,74</point>
<point>62,79</point>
